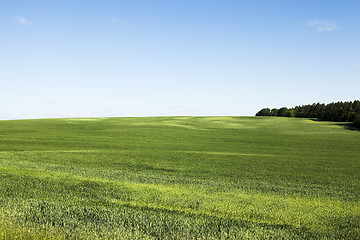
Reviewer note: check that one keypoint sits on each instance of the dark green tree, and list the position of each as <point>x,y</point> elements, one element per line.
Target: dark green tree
<point>274,112</point>
<point>264,112</point>
<point>357,120</point>
<point>283,112</point>
<point>290,113</point>
<point>336,111</point>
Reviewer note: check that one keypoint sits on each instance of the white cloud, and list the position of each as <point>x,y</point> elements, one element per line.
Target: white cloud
<point>323,26</point>
<point>117,20</point>
<point>7,76</point>
<point>358,68</point>
<point>22,20</point>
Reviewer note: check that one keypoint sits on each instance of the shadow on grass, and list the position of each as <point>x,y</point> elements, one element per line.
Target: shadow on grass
<point>347,125</point>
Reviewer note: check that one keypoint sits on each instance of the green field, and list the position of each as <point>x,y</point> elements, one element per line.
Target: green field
<point>179,178</point>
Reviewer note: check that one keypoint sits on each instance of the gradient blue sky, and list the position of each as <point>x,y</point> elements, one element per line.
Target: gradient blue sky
<point>66,58</point>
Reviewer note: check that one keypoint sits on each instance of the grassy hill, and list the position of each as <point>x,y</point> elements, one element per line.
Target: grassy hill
<point>179,177</point>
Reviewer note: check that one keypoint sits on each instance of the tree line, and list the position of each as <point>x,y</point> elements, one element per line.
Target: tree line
<point>336,111</point>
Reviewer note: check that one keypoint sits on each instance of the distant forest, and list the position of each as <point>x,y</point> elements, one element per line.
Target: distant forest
<point>336,112</point>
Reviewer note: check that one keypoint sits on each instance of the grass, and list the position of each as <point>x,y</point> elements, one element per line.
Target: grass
<point>179,178</point>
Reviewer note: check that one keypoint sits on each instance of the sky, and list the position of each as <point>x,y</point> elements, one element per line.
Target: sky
<point>118,58</point>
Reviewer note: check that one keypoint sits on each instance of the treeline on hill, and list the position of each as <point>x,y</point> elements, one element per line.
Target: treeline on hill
<point>337,112</point>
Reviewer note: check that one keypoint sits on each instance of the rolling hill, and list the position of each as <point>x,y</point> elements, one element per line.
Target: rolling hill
<point>179,178</point>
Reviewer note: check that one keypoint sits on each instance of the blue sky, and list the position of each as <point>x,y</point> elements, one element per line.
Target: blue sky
<point>65,58</point>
